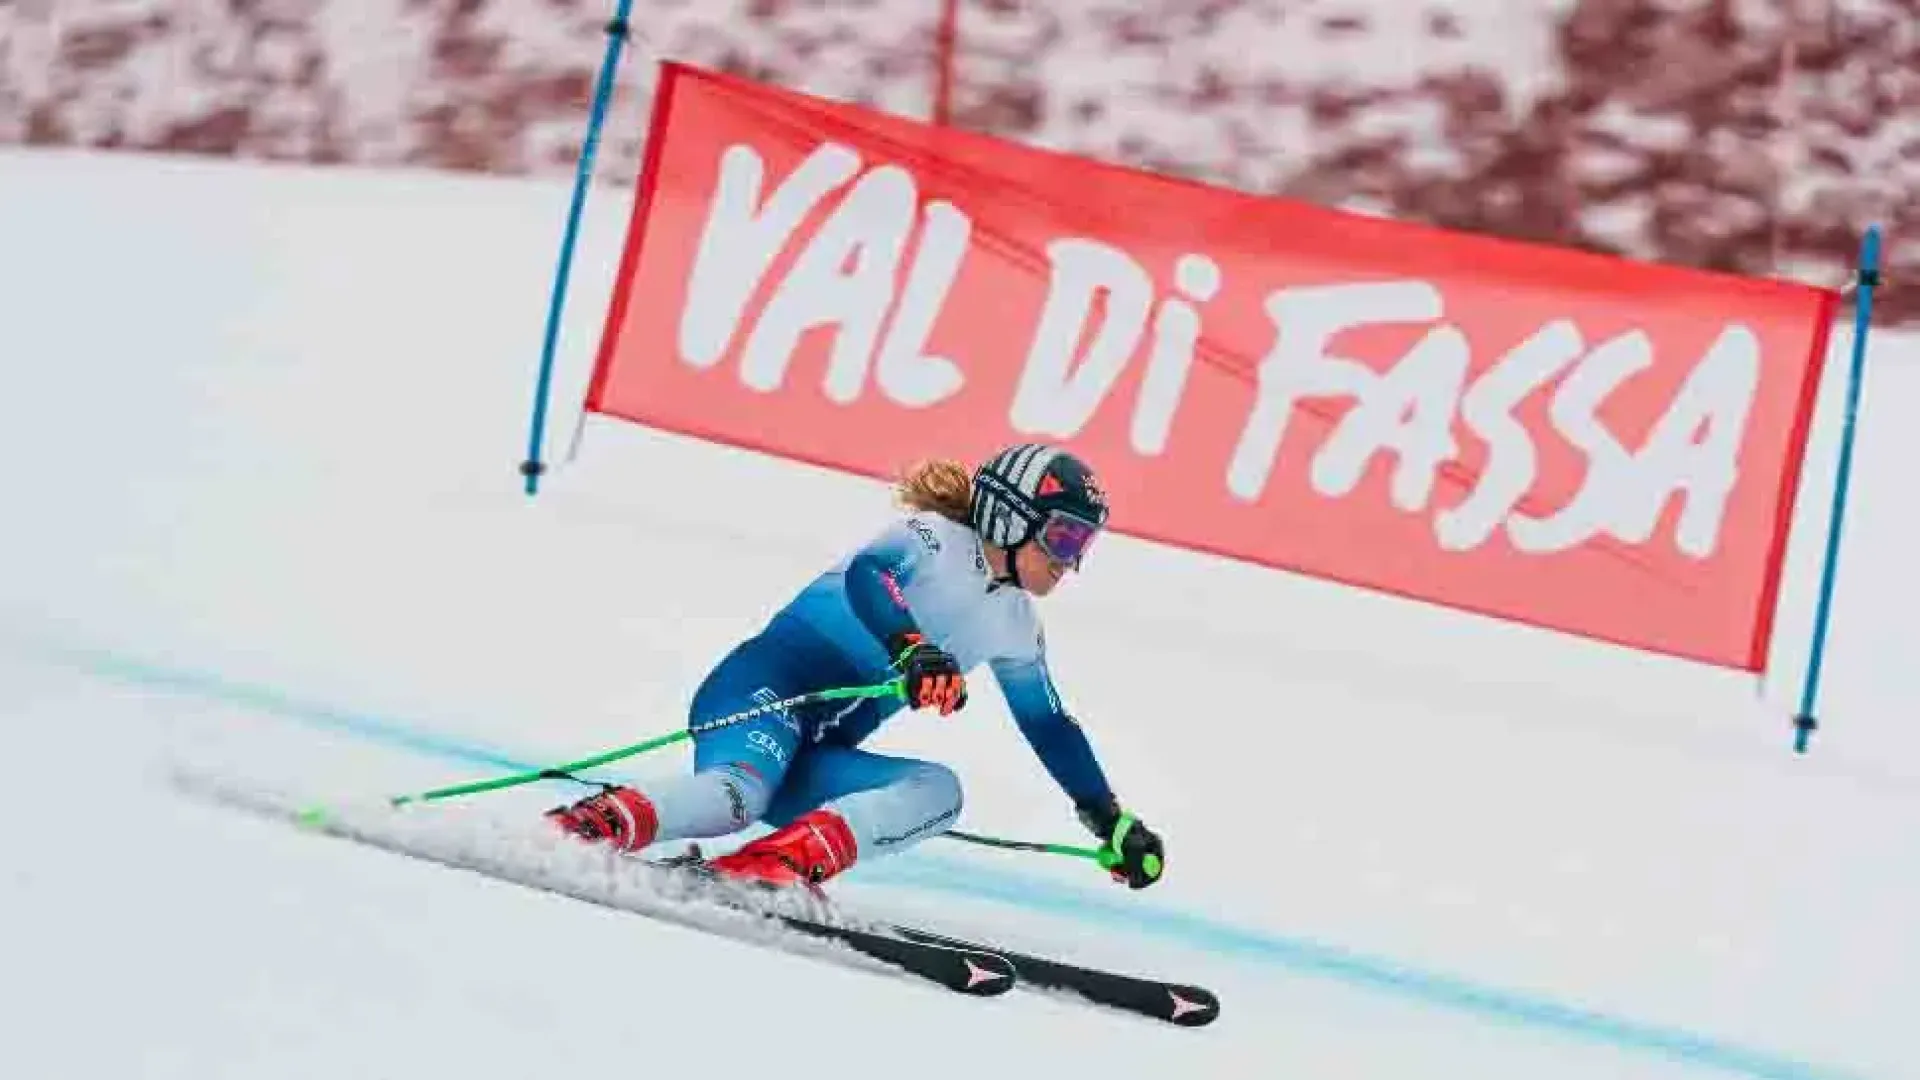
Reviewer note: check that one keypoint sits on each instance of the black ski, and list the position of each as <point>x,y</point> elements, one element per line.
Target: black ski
<point>1176,1003</point>
<point>956,965</point>
<point>963,968</point>
<point>967,970</point>
<point>966,967</point>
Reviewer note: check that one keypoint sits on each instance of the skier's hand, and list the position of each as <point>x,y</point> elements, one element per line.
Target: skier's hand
<point>1132,853</point>
<point>931,676</point>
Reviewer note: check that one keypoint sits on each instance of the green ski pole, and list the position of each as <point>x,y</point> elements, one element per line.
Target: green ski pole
<point>316,814</point>
<point>1106,857</point>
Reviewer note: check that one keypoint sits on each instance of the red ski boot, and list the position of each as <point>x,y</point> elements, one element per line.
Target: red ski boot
<point>814,847</point>
<point>619,815</point>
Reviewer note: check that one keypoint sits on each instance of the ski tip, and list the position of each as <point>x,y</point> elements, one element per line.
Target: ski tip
<point>986,975</point>
<point>1192,1006</point>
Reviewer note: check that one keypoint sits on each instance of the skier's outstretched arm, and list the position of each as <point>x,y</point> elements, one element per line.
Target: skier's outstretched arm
<point>1067,754</point>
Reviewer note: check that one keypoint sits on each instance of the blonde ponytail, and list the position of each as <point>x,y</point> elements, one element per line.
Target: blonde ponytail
<point>943,487</point>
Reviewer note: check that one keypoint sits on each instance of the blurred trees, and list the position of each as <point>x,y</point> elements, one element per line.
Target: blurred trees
<point>1755,136</point>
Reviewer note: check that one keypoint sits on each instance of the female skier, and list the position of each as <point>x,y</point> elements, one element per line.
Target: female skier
<point>939,592</point>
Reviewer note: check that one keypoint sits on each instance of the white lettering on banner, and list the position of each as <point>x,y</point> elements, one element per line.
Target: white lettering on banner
<point>1176,333</point>
<point>1575,414</point>
<point>1487,408</point>
<point>1059,392</point>
<point>1409,411</point>
<point>879,268</point>
<point>1718,396</point>
<point>1299,366</point>
<point>1624,493</point>
<point>907,372</point>
<point>738,245</point>
<point>1410,408</point>
<point>843,276</point>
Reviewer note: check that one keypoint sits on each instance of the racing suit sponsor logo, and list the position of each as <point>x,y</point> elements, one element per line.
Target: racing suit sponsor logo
<point>768,745</point>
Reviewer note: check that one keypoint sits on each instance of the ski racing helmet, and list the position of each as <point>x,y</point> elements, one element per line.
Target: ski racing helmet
<point>1039,493</point>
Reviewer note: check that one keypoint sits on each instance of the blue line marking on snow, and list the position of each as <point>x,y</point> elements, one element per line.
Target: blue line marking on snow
<point>277,703</point>
<point>922,870</point>
<point>1304,955</point>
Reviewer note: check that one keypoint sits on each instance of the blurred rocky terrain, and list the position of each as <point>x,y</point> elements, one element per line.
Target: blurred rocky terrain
<point>1756,136</point>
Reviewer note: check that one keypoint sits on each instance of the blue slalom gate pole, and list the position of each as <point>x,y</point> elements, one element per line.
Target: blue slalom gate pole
<point>1869,280</point>
<point>617,30</point>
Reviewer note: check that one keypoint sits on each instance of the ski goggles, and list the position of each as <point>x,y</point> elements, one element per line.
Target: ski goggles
<point>1066,537</point>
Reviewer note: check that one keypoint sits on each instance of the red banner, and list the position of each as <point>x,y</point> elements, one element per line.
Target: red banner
<point>1570,440</point>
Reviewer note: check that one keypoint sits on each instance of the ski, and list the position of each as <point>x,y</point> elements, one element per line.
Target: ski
<point>1177,1003</point>
<point>656,889</point>
<point>680,890</point>
<point>963,969</point>
<point>957,965</point>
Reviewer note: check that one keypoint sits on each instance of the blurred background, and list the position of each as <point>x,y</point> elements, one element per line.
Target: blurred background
<point>1755,136</point>
<point>248,530</point>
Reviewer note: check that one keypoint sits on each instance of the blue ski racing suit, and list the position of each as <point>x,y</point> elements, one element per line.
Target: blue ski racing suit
<point>922,573</point>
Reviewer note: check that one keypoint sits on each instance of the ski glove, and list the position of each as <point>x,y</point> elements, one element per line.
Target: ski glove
<point>931,676</point>
<point>1131,852</point>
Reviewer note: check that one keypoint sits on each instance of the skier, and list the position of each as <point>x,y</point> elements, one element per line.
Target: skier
<point>942,590</point>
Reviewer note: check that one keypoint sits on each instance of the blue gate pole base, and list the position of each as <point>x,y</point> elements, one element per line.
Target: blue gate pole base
<point>1804,726</point>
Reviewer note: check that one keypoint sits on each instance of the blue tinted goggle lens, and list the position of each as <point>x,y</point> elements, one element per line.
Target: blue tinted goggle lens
<point>1066,538</point>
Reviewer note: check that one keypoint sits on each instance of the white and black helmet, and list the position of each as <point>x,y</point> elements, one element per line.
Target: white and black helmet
<point>1037,492</point>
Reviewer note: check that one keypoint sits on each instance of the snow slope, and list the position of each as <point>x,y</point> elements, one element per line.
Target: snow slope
<point>264,519</point>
